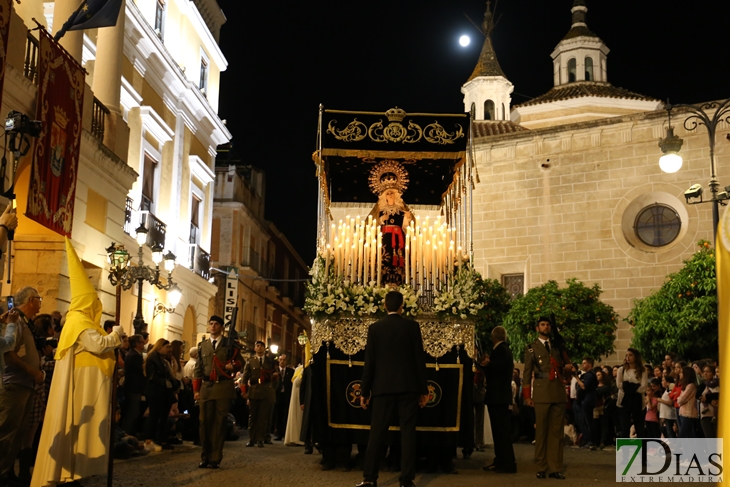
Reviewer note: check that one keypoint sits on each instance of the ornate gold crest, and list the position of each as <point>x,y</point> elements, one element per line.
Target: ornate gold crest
<point>434,394</point>
<point>61,118</point>
<point>388,174</point>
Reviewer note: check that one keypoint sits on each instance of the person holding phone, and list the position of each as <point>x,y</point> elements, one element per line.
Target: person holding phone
<point>21,375</point>
<point>7,339</point>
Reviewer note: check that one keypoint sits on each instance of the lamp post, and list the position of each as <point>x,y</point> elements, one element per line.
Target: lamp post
<point>709,114</point>
<point>124,276</point>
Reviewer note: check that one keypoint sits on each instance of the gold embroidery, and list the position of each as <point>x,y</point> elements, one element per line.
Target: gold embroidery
<point>354,132</point>
<point>456,427</point>
<point>436,134</point>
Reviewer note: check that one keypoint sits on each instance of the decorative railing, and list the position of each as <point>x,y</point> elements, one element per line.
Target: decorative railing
<point>156,229</point>
<point>30,66</point>
<point>128,208</point>
<point>99,113</point>
<point>199,261</point>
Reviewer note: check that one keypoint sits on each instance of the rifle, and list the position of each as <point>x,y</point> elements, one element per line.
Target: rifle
<point>232,334</point>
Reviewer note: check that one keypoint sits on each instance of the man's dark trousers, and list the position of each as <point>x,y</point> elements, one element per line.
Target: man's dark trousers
<point>500,418</point>
<point>382,410</point>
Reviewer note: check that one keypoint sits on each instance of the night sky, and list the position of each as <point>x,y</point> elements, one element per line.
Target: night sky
<point>285,58</point>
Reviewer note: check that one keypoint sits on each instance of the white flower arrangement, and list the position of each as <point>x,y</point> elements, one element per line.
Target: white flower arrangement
<point>328,296</point>
<point>462,299</point>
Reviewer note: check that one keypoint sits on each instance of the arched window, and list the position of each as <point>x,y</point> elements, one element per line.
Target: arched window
<point>589,69</point>
<point>504,114</point>
<point>473,111</point>
<point>571,70</point>
<point>489,110</point>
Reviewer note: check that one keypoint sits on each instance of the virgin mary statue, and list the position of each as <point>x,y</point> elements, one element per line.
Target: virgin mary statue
<point>389,179</point>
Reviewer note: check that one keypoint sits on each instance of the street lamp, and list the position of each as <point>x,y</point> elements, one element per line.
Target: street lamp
<point>122,275</point>
<point>709,114</point>
<point>173,295</point>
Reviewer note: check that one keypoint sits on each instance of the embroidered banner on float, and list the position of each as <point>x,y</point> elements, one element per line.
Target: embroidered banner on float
<point>6,11</point>
<point>56,155</point>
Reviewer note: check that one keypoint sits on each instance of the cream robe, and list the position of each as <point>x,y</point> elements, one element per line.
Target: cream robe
<point>296,415</point>
<point>76,430</point>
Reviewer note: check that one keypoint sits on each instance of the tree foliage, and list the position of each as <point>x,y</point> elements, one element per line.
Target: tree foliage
<point>496,301</point>
<point>587,324</point>
<point>680,317</point>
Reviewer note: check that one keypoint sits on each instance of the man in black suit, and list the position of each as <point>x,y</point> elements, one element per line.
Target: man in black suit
<point>498,398</point>
<point>283,396</point>
<point>395,376</point>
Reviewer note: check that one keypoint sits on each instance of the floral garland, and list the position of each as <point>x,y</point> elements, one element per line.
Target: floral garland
<point>329,296</point>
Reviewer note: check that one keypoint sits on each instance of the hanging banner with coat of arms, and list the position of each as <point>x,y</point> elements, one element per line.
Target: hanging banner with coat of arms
<point>6,11</point>
<point>56,155</point>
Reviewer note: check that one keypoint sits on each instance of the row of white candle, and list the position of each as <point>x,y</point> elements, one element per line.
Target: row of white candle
<point>355,252</point>
<point>431,253</point>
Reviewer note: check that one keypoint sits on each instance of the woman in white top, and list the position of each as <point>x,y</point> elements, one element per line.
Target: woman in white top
<point>632,379</point>
<point>667,414</point>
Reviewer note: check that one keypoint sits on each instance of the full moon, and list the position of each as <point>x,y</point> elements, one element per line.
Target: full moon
<point>464,40</point>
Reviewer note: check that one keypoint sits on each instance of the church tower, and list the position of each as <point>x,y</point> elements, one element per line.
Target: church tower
<point>487,91</point>
<point>581,55</point>
<point>581,90</point>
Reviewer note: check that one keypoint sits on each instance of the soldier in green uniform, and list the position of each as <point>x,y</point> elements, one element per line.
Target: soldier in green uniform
<point>544,362</point>
<point>262,379</point>
<point>218,361</point>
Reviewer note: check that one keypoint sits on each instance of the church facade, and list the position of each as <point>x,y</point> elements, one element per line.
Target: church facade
<point>570,184</point>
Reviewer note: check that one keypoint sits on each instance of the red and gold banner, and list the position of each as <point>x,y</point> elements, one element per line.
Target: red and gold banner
<point>56,155</point>
<point>6,11</point>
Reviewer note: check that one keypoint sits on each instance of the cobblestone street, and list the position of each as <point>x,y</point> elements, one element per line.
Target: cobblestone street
<point>288,466</point>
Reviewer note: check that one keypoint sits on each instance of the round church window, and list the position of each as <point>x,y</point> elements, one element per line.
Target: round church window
<point>657,225</point>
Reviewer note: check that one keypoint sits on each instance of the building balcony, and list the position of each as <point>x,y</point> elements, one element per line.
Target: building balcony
<point>199,261</point>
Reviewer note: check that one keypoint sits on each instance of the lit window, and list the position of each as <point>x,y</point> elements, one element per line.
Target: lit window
<point>657,225</point>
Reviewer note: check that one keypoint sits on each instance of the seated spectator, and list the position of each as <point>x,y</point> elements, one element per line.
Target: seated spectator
<point>125,445</point>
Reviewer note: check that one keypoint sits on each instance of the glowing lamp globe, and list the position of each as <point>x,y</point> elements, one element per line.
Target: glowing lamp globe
<point>670,163</point>
<point>464,40</point>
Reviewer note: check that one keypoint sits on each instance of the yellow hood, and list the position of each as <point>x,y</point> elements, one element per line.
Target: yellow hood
<point>84,312</point>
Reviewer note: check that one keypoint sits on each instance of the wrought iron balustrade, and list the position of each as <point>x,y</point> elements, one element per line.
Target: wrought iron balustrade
<point>156,229</point>
<point>199,261</point>
<point>128,208</point>
<point>30,66</point>
<point>98,118</point>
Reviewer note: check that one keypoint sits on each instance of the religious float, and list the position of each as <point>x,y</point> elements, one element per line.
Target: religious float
<point>394,212</point>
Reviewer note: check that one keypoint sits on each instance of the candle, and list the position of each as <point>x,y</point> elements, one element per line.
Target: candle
<point>365,266</point>
<point>380,260</point>
<point>327,261</point>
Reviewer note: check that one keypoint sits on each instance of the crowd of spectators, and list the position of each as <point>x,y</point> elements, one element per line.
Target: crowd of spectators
<point>672,399</point>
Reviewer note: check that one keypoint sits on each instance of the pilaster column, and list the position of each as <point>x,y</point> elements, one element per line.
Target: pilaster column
<point>108,66</point>
<point>73,40</point>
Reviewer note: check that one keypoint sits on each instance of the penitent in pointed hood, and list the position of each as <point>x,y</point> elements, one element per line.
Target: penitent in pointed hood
<point>85,309</point>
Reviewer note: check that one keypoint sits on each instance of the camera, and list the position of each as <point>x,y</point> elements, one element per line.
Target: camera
<point>20,123</point>
<point>694,191</point>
